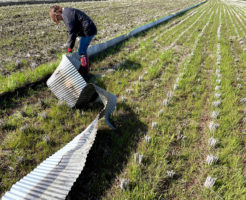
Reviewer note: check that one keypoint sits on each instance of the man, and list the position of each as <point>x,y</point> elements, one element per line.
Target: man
<point>78,24</point>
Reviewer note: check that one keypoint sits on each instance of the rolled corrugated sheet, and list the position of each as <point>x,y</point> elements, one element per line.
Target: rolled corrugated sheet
<point>55,176</point>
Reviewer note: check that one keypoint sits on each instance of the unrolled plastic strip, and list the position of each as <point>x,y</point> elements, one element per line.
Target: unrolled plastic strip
<point>55,176</point>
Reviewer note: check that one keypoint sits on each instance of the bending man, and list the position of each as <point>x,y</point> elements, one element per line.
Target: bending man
<point>78,25</point>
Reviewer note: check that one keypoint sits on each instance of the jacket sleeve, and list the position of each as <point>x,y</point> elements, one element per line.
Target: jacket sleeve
<point>69,21</point>
<point>71,36</point>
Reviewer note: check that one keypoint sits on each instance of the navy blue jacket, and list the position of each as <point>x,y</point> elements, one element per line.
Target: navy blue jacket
<point>78,24</point>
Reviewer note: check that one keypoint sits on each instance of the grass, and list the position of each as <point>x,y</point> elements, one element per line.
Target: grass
<point>20,79</point>
<point>149,68</point>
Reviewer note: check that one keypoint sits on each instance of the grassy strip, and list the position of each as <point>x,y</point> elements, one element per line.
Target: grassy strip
<point>187,152</point>
<point>20,79</point>
<point>231,150</point>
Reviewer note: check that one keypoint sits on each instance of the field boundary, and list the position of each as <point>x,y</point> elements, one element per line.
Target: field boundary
<point>98,48</point>
<point>19,3</point>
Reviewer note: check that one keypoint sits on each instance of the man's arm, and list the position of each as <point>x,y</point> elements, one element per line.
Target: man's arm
<point>71,38</point>
<point>69,21</point>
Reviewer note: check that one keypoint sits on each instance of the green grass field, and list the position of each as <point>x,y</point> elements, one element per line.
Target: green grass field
<point>181,83</point>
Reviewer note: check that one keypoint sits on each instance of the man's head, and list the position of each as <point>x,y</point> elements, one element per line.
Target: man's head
<point>56,14</point>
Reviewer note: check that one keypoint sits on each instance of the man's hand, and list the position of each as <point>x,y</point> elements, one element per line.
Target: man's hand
<point>69,50</point>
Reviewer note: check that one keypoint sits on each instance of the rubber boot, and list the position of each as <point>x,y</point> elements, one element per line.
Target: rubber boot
<point>83,61</point>
<point>88,63</point>
<point>84,68</point>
